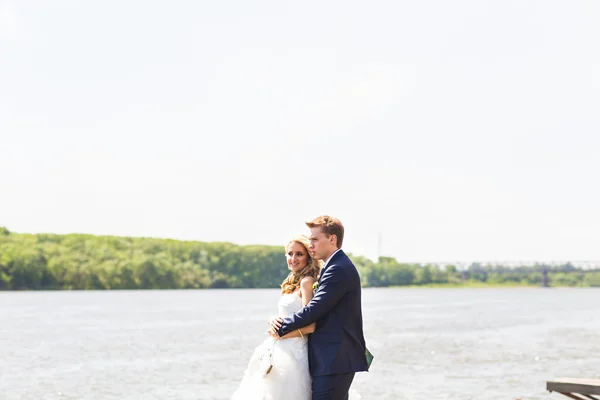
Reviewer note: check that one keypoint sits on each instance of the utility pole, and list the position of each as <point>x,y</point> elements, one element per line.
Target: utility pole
<point>545,278</point>
<point>379,236</point>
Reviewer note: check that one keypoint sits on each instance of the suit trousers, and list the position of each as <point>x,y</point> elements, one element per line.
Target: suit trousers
<point>331,387</point>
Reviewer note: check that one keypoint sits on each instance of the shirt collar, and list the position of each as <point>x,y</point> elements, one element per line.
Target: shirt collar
<point>330,257</point>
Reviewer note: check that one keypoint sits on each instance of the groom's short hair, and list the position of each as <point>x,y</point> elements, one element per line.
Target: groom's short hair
<point>329,226</point>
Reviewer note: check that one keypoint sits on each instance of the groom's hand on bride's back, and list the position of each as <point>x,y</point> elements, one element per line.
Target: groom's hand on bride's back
<point>273,333</point>
<point>274,325</point>
<point>275,322</point>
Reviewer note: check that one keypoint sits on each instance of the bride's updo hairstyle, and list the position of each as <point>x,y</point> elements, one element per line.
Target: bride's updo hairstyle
<point>313,268</point>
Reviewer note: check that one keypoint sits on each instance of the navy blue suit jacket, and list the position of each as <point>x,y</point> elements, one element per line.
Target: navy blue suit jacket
<point>337,345</point>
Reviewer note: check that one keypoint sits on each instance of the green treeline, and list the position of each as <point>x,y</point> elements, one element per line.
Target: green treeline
<point>77,261</point>
<point>388,272</point>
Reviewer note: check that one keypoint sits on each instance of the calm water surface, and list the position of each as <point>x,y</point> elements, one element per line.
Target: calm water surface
<point>428,343</point>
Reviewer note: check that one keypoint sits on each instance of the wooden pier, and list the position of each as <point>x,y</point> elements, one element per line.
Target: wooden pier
<point>575,388</point>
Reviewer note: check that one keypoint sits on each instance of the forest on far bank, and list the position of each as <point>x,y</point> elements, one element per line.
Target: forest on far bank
<point>81,261</point>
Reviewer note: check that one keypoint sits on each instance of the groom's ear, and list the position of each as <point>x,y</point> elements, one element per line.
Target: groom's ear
<point>334,241</point>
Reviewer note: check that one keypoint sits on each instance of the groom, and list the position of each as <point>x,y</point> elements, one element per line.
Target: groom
<point>336,349</point>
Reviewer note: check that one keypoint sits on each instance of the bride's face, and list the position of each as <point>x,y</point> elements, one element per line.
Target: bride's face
<point>297,257</point>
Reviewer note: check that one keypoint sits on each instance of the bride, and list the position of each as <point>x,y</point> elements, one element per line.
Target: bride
<point>289,378</point>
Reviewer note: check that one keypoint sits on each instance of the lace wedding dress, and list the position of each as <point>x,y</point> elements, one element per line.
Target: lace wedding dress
<point>290,378</point>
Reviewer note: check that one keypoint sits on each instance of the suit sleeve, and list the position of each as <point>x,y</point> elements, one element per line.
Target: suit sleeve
<point>332,288</point>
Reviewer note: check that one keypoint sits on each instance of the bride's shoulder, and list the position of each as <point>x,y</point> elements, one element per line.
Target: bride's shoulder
<point>307,281</point>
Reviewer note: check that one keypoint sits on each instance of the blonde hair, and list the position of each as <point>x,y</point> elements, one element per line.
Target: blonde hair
<point>312,269</point>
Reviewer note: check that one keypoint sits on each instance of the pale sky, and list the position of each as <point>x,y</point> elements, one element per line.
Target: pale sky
<point>458,130</point>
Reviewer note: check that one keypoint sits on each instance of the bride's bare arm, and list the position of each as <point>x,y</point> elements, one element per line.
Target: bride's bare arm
<point>306,293</point>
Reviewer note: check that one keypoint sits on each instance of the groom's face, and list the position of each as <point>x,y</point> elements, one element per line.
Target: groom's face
<point>321,246</point>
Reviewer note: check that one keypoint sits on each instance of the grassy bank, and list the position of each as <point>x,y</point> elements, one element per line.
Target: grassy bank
<point>482,285</point>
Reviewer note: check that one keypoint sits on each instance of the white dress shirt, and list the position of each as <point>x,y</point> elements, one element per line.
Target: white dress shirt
<point>330,257</point>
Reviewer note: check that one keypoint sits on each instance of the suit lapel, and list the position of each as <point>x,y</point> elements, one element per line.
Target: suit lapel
<point>333,259</point>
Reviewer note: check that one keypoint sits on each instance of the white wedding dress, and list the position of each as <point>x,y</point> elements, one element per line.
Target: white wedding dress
<point>290,378</point>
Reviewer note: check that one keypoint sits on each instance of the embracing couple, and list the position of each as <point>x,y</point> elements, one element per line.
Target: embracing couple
<point>317,343</point>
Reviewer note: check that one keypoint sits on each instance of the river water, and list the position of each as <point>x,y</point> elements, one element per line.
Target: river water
<point>194,344</point>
